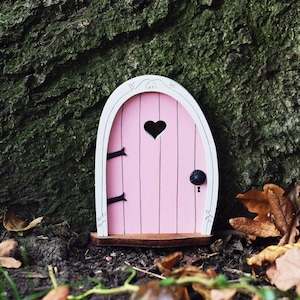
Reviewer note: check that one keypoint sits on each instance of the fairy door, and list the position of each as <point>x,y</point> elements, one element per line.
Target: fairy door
<point>159,174</point>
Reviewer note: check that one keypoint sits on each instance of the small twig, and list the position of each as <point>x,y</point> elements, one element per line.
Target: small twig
<point>144,271</point>
<point>209,255</point>
<point>235,271</point>
<point>34,275</point>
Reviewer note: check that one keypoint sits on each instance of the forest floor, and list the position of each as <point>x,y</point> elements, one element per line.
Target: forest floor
<point>78,263</point>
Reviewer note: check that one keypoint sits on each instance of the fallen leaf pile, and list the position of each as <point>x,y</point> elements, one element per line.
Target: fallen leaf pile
<point>157,290</point>
<point>166,268</point>
<point>270,254</point>
<point>284,273</point>
<point>283,265</point>
<point>8,247</point>
<point>277,213</point>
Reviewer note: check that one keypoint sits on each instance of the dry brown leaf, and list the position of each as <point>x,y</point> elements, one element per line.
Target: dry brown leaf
<point>201,289</point>
<point>255,228</point>
<point>276,213</point>
<point>284,273</point>
<point>292,235</point>
<point>283,211</point>
<point>153,290</point>
<point>166,265</point>
<point>189,271</point>
<point>59,293</point>
<point>7,250</point>
<point>270,254</point>
<point>257,201</point>
<point>12,223</point>
<point>166,268</point>
<point>10,263</point>
<point>8,247</point>
<point>293,193</point>
<point>182,294</point>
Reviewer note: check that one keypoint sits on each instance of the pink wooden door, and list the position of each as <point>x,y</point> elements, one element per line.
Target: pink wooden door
<point>154,147</point>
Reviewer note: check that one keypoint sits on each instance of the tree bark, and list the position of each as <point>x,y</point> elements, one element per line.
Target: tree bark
<point>61,59</point>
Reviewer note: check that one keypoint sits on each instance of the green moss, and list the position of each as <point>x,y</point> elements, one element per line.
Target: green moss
<point>62,59</point>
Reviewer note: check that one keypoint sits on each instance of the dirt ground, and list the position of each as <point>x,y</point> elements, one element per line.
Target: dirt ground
<point>80,264</point>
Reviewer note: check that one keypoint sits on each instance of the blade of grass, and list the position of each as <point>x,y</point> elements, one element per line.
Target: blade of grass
<point>2,291</point>
<point>11,283</point>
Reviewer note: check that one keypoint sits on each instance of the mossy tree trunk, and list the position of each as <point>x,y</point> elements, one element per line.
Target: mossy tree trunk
<point>61,59</point>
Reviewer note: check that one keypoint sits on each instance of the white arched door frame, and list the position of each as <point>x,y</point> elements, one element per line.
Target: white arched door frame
<point>130,88</point>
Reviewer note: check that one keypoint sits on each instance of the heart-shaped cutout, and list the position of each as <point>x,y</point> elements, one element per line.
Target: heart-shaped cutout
<point>155,128</point>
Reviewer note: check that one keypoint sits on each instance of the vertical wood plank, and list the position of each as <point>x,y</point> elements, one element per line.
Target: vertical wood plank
<point>186,164</point>
<point>131,132</point>
<point>169,166</point>
<point>114,174</point>
<point>149,165</point>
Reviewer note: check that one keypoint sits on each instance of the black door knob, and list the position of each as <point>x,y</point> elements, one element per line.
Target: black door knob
<point>197,177</point>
